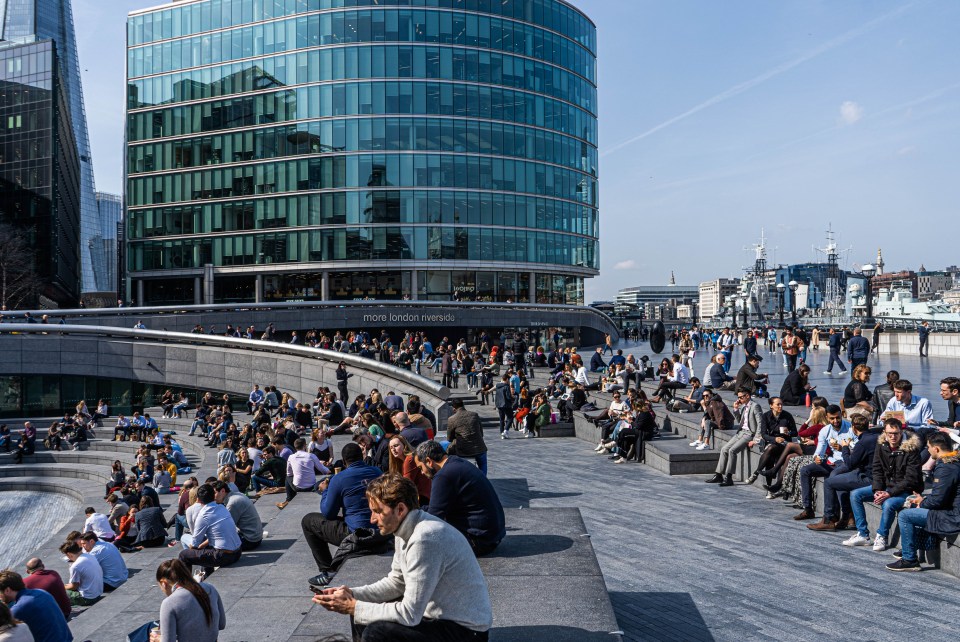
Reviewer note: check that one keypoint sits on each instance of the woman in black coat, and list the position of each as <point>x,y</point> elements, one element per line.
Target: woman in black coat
<point>796,386</point>
<point>778,429</point>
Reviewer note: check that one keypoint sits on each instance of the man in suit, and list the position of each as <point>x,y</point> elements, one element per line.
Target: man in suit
<point>749,417</point>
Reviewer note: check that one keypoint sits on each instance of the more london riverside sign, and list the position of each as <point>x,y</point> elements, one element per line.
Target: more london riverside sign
<point>409,317</point>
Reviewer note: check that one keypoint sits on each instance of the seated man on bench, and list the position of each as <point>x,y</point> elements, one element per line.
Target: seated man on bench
<point>435,589</point>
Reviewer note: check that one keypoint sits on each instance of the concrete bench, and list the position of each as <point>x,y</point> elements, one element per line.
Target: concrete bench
<point>544,580</point>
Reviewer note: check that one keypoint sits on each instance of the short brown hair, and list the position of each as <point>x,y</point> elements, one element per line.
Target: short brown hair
<point>11,580</point>
<point>70,547</point>
<point>392,490</point>
<point>902,384</point>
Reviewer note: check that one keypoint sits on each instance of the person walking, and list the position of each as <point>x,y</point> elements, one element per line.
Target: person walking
<point>858,349</point>
<point>924,333</point>
<point>877,331</point>
<point>834,341</point>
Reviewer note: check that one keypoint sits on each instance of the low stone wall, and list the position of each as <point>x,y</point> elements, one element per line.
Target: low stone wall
<point>202,362</point>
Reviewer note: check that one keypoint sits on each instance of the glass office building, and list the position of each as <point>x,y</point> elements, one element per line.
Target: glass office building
<point>27,21</point>
<point>361,149</point>
<point>39,168</point>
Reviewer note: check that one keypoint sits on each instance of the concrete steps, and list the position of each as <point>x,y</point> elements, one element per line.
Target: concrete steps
<point>674,456</point>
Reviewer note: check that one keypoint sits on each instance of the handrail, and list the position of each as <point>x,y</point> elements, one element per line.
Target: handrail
<point>394,372</point>
<point>297,305</point>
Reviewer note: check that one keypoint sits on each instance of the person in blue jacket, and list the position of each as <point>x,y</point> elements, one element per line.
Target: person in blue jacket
<point>346,493</point>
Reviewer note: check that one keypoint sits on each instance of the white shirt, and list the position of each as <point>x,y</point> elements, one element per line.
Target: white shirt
<point>680,373</point>
<point>302,467</point>
<point>87,574</point>
<point>100,525</point>
<point>256,456</point>
<point>581,376</point>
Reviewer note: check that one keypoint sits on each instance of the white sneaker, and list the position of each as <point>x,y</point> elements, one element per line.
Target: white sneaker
<point>598,448</point>
<point>879,543</point>
<point>695,443</point>
<point>856,540</point>
<point>827,372</point>
<point>702,445</point>
<point>619,460</point>
<point>503,435</point>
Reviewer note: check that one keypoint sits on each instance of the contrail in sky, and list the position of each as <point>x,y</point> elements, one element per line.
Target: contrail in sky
<point>765,76</point>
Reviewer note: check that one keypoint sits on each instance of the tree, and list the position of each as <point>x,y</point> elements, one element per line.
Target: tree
<point>19,281</point>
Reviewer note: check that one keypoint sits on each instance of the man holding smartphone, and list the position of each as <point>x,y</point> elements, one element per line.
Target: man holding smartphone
<point>939,512</point>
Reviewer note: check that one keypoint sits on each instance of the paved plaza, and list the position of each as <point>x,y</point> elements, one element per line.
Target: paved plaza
<point>688,561</point>
<point>681,560</point>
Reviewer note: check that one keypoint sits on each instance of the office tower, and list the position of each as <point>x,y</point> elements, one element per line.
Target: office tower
<point>305,150</point>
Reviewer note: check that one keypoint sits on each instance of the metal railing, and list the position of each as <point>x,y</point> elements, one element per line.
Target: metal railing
<point>412,379</point>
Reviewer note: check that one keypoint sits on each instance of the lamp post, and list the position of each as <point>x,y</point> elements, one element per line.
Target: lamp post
<point>780,290</point>
<point>793,285</point>
<point>868,271</point>
<point>735,305</point>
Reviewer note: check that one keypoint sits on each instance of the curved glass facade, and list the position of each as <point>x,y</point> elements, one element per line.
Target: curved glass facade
<point>347,149</point>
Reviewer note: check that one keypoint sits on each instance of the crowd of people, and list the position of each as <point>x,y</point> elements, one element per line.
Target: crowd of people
<point>286,445</point>
<point>879,445</point>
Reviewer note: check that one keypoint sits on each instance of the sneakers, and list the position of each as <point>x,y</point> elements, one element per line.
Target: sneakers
<point>827,372</point>
<point>898,554</point>
<point>702,445</point>
<point>695,443</point>
<point>879,543</point>
<point>857,540</point>
<point>503,435</point>
<point>903,565</point>
<point>319,582</point>
<point>620,460</point>
<point>598,448</point>
<point>200,575</point>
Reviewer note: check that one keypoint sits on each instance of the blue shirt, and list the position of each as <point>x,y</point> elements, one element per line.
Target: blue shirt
<point>916,413</point>
<point>111,561</point>
<point>214,523</point>
<point>348,492</point>
<point>41,614</point>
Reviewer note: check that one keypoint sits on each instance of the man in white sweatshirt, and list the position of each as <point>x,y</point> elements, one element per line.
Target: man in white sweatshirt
<point>435,589</point>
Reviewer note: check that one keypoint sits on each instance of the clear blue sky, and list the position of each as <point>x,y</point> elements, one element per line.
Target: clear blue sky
<point>719,118</point>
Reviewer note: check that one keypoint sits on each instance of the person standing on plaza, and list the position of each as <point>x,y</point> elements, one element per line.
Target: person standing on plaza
<point>342,376</point>
<point>791,348</point>
<point>858,349</point>
<point>465,434</point>
<point>834,341</point>
<point>923,332</point>
<point>503,400</point>
<point>877,331</point>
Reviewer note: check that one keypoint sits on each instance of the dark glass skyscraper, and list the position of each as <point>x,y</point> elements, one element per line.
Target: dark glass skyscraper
<point>304,149</point>
<point>39,168</point>
<point>26,21</point>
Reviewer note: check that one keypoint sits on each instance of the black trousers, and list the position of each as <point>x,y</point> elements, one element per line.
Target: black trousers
<point>426,631</point>
<point>208,558</point>
<point>320,532</point>
<point>293,490</point>
<point>506,418</point>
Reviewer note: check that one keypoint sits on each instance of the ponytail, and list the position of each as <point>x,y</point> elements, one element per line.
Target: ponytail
<point>176,572</point>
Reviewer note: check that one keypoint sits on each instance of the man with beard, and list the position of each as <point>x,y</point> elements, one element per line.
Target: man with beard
<point>462,496</point>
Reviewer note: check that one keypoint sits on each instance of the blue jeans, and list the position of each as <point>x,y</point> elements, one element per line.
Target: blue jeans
<point>726,364</point>
<point>179,523</point>
<point>890,508</point>
<point>911,520</point>
<point>259,483</point>
<point>481,460</point>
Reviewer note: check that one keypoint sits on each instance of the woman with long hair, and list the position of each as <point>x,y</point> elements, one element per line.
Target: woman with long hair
<point>192,611</point>
<point>799,454</point>
<point>321,446</point>
<point>12,629</point>
<point>402,463</point>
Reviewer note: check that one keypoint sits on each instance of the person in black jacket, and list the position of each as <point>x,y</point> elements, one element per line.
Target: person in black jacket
<point>503,400</point>
<point>835,343</point>
<point>796,386</point>
<point>896,474</point>
<point>748,377</point>
<point>938,512</point>
<point>342,376</point>
<point>463,497</point>
<point>883,393</point>
<point>750,343</point>
<point>950,392</point>
<point>778,428</point>
<point>856,473</point>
